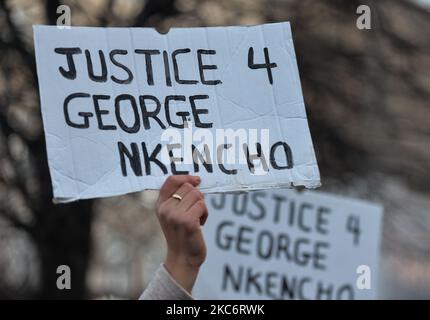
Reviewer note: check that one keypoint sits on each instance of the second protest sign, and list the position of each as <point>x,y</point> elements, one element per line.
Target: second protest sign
<point>282,244</point>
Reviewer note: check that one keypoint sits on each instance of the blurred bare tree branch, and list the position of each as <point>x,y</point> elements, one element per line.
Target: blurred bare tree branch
<point>61,232</point>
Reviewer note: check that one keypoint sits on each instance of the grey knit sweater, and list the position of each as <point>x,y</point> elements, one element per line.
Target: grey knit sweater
<point>164,287</point>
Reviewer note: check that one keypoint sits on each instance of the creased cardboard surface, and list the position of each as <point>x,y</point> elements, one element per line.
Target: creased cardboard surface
<point>85,162</point>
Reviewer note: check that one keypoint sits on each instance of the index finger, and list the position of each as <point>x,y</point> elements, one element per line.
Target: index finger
<point>173,183</point>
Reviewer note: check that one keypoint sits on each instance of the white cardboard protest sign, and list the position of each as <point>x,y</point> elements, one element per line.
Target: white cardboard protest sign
<point>116,101</point>
<point>282,244</point>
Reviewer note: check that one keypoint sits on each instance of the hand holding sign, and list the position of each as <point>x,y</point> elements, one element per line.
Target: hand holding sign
<point>181,210</point>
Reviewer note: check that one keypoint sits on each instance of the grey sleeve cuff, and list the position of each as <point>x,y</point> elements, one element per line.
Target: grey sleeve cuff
<point>164,287</point>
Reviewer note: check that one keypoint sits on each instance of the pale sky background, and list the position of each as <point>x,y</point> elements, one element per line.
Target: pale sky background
<point>425,2</point>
